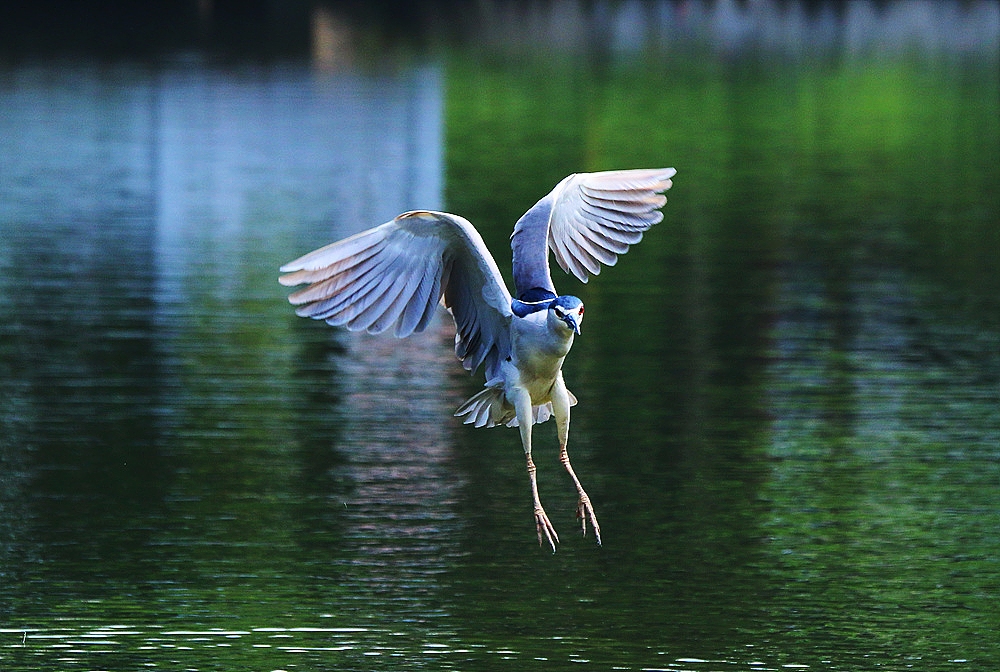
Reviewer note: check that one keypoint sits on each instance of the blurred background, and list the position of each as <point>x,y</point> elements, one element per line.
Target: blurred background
<point>789,416</point>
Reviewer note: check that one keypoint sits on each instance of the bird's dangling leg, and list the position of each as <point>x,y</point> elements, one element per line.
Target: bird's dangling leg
<point>522,407</point>
<point>543,527</point>
<point>560,409</point>
<point>584,509</point>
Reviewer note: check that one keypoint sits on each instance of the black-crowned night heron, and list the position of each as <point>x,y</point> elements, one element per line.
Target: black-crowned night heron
<point>394,275</point>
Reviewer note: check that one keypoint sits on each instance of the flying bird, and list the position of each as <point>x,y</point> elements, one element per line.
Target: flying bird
<point>395,275</point>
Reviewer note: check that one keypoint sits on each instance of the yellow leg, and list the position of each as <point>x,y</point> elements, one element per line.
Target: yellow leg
<point>522,406</point>
<point>584,509</point>
<point>543,527</point>
<point>560,408</point>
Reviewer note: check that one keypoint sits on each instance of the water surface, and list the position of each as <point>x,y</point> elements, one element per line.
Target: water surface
<point>789,414</point>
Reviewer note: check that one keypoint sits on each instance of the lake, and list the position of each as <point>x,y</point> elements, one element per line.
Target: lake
<point>789,392</point>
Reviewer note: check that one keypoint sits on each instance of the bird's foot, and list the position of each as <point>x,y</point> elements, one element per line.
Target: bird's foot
<point>585,511</point>
<point>545,530</point>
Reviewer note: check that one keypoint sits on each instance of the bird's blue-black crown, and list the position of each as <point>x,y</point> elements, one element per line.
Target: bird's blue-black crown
<point>566,301</point>
<point>537,299</point>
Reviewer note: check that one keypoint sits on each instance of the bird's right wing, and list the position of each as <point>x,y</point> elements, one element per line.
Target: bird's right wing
<point>397,273</point>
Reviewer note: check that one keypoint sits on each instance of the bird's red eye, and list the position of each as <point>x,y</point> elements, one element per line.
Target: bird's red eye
<point>581,310</point>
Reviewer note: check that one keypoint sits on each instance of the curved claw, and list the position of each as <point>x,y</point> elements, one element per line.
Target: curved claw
<point>585,511</point>
<point>544,527</point>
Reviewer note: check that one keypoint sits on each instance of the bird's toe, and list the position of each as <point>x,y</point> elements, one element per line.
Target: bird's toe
<point>546,532</point>
<point>585,512</point>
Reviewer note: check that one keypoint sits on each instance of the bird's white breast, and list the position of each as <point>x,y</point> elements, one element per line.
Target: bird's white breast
<point>537,356</point>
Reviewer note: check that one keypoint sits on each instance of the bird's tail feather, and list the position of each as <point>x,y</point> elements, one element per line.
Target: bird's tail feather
<point>489,408</point>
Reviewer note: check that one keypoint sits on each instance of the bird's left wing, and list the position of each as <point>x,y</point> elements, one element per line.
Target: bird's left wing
<point>397,273</point>
<point>587,220</point>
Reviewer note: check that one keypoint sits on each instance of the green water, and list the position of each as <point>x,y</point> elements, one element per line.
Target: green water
<point>789,416</point>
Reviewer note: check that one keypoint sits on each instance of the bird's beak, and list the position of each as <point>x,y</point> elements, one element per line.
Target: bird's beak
<point>573,323</point>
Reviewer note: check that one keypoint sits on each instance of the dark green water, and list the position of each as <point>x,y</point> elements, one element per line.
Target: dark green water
<point>789,416</point>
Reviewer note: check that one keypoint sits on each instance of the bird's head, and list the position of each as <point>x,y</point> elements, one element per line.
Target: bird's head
<point>567,311</point>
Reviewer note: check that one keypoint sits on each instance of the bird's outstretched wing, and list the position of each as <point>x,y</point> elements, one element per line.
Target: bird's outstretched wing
<point>396,273</point>
<point>587,220</point>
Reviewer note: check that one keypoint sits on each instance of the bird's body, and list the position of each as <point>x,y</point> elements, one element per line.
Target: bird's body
<point>537,354</point>
<point>395,274</point>
<point>538,350</point>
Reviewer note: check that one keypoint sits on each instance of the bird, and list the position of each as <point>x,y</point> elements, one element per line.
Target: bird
<point>396,274</point>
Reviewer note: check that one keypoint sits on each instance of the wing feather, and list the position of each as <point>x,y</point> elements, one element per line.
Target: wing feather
<point>417,304</point>
<point>382,305</point>
<point>608,239</point>
<point>434,298</point>
<point>379,306</point>
<point>605,214</point>
<point>598,245</point>
<point>586,221</point>
<point>347,253</point>
<point>566,260</point>
<point>397,273</point>
<point>354,271</point>
<point>413,302</point>
<point>342,306</point>
<point>612,203</point>
<point>580,248</point>
<point>639,203</point>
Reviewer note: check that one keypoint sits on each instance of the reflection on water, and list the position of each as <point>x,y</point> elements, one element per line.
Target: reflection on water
<point>789,393</point>
<point>399,514</point>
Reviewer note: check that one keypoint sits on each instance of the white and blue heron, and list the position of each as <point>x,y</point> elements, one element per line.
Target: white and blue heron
<point>394,275</point>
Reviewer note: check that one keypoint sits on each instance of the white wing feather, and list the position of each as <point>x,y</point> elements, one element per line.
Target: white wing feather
<point>397,273</point>
<point>587,220</point>
<point>597,216</point>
